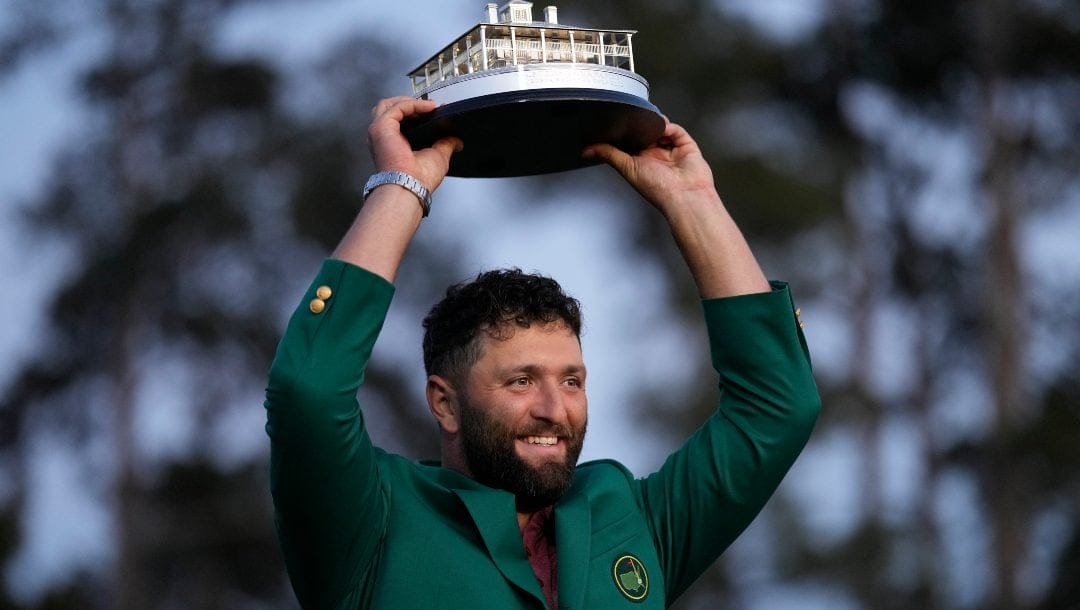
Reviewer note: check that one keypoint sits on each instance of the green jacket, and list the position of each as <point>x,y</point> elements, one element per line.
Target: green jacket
<point>362,528</point>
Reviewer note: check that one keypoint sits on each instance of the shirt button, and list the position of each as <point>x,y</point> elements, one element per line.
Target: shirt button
<point>317,305</point>
<point>324,292</point>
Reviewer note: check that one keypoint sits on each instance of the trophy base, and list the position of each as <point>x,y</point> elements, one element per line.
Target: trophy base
<point>536,131</point>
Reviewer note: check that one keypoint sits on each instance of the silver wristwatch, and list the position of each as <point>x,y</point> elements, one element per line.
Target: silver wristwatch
<point>403,180</point>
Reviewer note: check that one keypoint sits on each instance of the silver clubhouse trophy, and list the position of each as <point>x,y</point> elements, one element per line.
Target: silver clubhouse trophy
<point>527,96</point>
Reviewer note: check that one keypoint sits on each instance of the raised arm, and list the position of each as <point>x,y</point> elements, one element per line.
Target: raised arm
<point>330,503</point>
<point>673,176</point>
<point>381,233</point>
<point>710,489</point>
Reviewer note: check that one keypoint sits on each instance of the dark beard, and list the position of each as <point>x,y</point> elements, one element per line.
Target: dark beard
<point>488,445</point>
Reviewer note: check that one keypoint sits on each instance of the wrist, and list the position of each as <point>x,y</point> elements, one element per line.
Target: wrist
<point>691,205</point>
<point>403,180</point>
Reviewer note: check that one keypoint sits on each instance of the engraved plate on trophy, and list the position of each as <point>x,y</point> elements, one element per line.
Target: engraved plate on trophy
<point>527,96</point>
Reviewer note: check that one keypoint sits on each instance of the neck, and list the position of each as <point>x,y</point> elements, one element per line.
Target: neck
<point>523,514</point>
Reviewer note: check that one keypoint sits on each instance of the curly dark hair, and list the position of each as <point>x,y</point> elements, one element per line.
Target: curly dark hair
<point>494,302</point>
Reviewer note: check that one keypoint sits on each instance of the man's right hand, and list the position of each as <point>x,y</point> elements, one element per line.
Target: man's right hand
<point>391,151</point>
<point>390,216</point>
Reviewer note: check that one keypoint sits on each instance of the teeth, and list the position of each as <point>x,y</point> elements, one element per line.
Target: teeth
<point>542,440</point>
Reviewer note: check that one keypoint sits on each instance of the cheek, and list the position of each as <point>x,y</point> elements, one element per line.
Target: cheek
<point>578,412</point>
<point>512,412</point>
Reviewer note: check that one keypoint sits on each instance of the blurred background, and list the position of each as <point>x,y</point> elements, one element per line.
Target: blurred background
<point>172,172</point>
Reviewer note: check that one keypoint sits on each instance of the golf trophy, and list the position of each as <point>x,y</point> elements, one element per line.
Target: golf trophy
<point>526,97</point>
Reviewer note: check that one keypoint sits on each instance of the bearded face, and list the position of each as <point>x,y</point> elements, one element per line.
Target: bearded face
<point>522,412</point>
<point>490,447</point>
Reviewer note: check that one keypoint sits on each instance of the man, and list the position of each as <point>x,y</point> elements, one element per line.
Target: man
<point>506,520</point>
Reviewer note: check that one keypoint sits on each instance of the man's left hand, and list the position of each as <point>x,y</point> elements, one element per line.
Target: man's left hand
<point>666,172</point>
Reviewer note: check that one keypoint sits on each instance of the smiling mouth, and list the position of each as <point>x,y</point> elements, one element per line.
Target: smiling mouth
<point>545,441</point>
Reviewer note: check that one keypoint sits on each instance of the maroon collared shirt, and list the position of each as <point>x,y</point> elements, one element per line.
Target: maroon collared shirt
<point>539,539</point>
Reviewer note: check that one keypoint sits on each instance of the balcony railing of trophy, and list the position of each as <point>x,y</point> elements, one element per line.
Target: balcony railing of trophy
<point>501,48</point>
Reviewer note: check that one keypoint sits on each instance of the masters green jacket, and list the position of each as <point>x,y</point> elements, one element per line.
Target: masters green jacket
<point>361,528</point>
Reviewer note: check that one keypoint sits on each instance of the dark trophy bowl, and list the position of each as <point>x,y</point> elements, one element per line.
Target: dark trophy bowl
<point>536,131</point>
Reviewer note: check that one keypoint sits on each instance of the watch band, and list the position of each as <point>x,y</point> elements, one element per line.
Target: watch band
<point>403,180</point>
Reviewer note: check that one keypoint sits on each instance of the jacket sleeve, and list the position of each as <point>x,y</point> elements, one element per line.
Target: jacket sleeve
<point>329,504</point>
<point>709,491</point>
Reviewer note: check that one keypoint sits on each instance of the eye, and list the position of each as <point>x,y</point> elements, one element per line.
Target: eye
<point>574,382</point>
<point>520,381</point>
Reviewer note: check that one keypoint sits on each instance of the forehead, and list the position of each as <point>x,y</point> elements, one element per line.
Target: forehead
<point>539,341</point>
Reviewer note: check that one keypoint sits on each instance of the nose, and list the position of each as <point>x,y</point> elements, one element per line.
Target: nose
<point>551,404</point>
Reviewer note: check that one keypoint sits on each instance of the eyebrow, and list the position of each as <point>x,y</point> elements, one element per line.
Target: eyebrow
<point>534,369</point>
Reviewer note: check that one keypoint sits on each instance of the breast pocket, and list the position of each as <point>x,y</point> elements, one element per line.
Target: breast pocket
<point>624,569</point>
<point>618,533</point>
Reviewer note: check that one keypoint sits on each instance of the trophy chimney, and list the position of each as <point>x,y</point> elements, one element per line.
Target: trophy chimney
<point>551,14</point>
<point>516,11</point>
<point>492,12</point>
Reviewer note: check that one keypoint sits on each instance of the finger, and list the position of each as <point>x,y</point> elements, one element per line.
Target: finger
<point>383,105</point>
<point>406,108</point>
<point>386,127</point>
<point>678,136</point>
<point>448,146</point>
<point>601,151</point>
<point>378,109</point>
<point>435,160</point>
<point>442,150</point>
<point>403,104</point>
<point>611,155</point>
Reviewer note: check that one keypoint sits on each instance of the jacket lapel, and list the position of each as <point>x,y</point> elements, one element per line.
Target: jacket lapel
<point>495,516</point>
<point>573,538</point>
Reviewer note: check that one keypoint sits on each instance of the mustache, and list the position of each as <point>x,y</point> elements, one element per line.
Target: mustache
<point>544,429</point>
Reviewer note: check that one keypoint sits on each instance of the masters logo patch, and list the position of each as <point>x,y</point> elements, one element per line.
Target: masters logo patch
<point>630,577</point>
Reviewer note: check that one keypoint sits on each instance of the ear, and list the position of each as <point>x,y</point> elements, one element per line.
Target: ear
<point>442,399</point>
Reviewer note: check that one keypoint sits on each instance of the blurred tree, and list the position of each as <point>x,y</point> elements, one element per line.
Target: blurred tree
<point>193,201</point>
<point>917,143</point>
<point>895,160</point>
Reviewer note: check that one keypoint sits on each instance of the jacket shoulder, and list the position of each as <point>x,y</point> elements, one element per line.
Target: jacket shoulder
<point>599,478</point>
